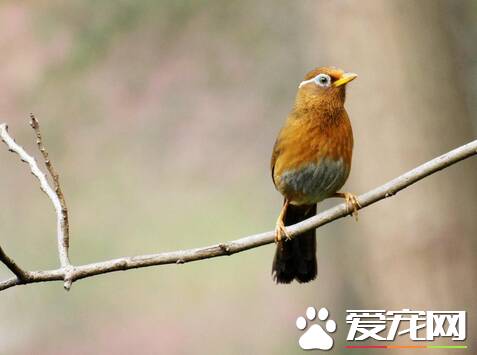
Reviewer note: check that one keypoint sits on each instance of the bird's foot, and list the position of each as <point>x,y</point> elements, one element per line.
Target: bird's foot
<point>352,204</point>
<point>281,231</point>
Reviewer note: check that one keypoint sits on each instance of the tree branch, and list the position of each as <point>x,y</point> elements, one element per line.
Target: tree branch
<point>56,182</point>
<point>62,238</point>
<point>21,274</point>
<point>183,256</point>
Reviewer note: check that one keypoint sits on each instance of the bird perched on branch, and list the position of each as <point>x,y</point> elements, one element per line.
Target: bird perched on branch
<point>311,161</point>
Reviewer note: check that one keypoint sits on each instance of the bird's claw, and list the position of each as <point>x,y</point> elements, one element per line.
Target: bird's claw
<point>352,204</point>
<point>281,231</point>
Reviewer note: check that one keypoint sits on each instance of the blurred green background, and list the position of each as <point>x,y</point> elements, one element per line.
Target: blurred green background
<point>161,116</point>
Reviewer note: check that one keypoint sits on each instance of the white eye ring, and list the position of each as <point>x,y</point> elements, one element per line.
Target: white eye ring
<point>322,80</point>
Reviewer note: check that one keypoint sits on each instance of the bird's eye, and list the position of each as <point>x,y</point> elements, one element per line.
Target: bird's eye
<point>323,80</point>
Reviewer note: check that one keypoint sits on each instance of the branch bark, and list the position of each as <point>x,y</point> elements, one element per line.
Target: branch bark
<point>65,237</point>
<point>61,226</point>
<point>73,273</point>
<point>21,274</point>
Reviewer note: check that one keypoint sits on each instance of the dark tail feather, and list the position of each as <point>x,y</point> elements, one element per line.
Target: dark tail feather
<point>296,258</point>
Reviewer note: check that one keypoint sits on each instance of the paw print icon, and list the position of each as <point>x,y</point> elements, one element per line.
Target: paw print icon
<point>316,336</point>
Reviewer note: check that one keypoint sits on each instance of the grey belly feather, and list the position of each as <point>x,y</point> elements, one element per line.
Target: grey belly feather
<point>314,182</point>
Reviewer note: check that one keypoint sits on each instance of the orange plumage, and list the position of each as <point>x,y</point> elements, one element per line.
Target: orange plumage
<point>311,161</point>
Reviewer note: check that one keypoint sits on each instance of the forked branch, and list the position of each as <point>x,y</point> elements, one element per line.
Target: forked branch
<point>53,194</point>
<point>69,273</point>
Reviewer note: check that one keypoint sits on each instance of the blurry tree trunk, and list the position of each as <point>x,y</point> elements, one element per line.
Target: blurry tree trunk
<point>418,249</point>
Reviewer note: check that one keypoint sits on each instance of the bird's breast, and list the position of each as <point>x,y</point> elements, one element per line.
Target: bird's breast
<point>311,160</point>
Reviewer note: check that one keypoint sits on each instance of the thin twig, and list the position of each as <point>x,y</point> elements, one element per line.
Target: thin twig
<point>64,229</point>
<point>21,274</point>
<point>56,180</point>
<point>45,187</point>
<point>183,256</point>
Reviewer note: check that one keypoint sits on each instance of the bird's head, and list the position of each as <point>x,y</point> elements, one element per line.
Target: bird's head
<point>323,88</point>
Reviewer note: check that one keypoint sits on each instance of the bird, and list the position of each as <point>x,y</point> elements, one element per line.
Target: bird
<point>311,161</point>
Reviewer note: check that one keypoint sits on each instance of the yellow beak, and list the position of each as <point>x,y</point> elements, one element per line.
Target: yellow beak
<point>345,78</point>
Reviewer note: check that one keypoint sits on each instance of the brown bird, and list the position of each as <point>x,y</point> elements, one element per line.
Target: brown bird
<point>311,161</point>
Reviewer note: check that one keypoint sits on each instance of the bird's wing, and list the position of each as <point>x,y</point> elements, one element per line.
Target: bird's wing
<point>275,154</point>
